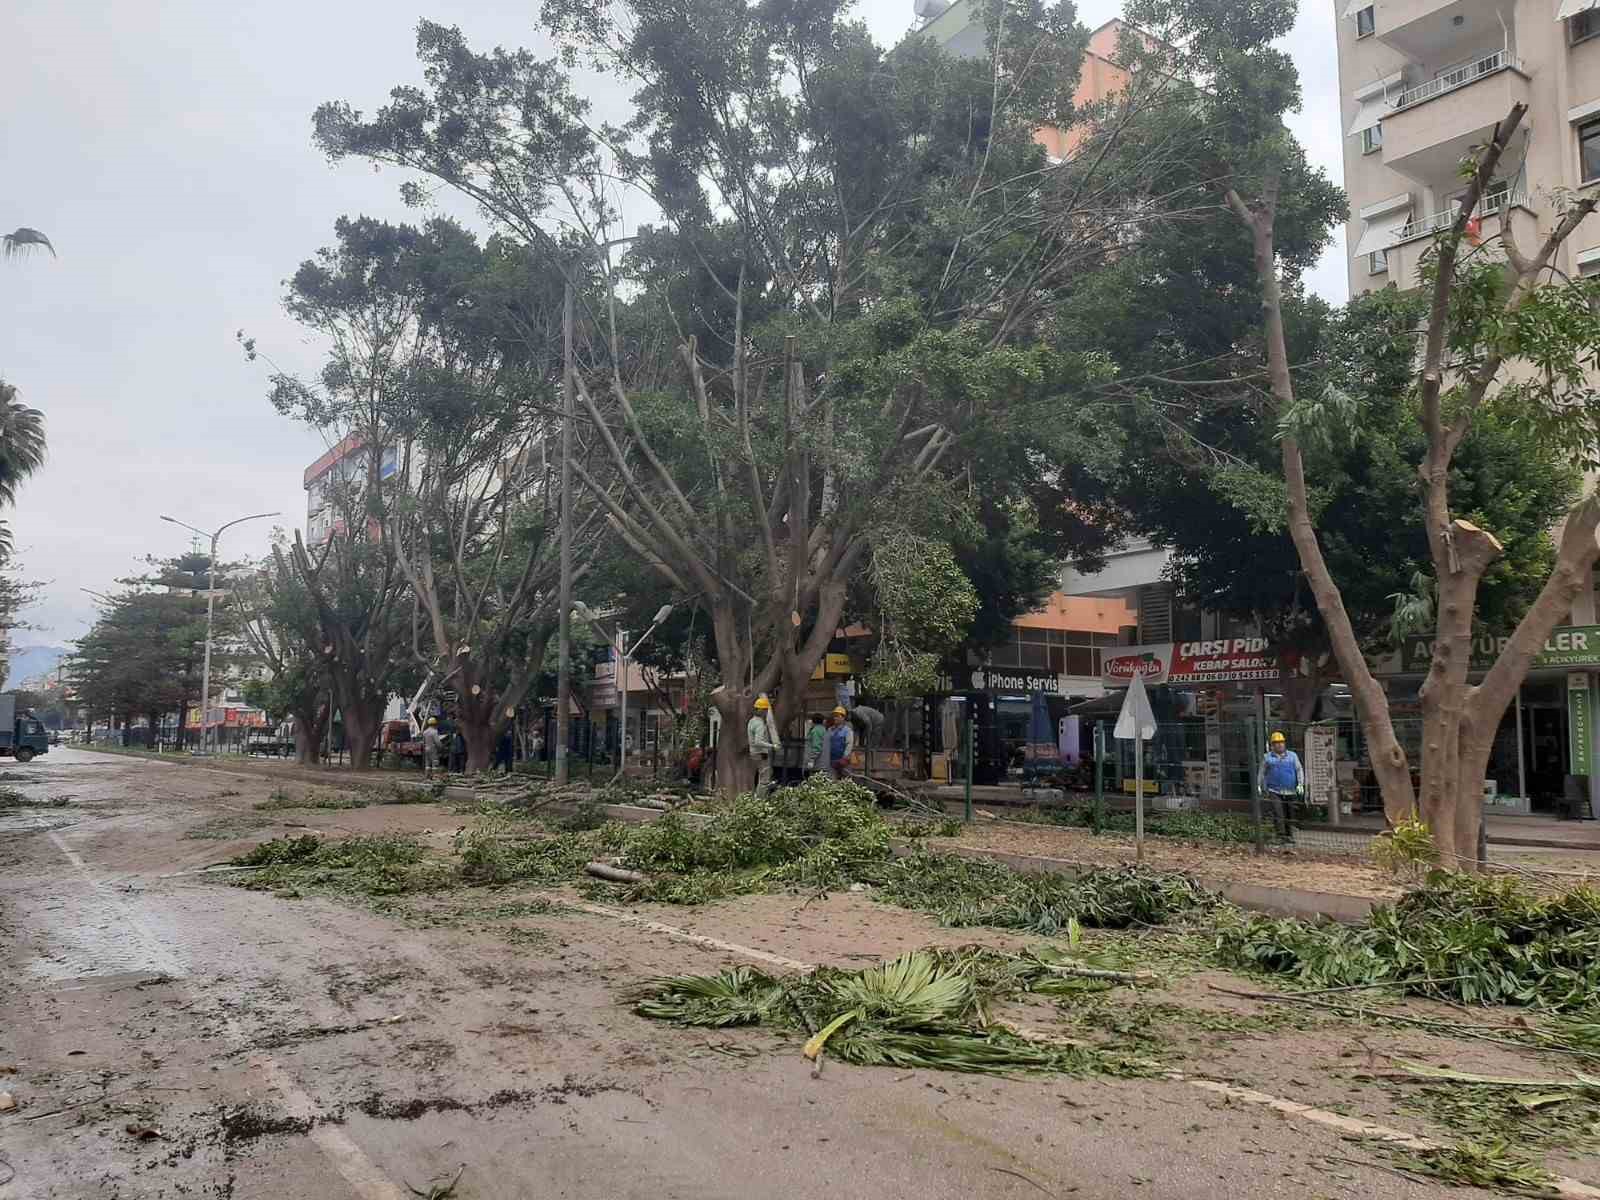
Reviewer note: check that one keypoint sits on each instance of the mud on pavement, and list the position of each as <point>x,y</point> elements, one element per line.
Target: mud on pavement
<point>176,1038</point>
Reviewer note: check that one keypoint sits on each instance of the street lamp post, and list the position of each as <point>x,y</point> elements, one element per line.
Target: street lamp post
<point>211,608</point>
<point>587,613</point>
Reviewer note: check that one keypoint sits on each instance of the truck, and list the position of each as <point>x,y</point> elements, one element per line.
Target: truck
<point>21,734</point>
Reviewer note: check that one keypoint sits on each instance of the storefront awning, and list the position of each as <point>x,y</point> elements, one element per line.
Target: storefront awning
<point>1369,115</point>
<point>1571,8</point>
<point>1384,222</point>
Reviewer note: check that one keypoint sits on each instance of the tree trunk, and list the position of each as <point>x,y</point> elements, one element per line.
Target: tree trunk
<point>736,771</point>
<point>479,735</point>
<point>361,717</point>
<point>1389,761</point>
<point>310,726</point>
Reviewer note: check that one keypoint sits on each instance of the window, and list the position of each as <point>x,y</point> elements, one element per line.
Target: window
<point>1372,139</point>
<point>1589,152</point>
<point>1588,262</point>
<point>1583,27</point>
<point>1377,262</point>
<point>1365,22</point>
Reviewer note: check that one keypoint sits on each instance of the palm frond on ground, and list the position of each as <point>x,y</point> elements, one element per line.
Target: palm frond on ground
<point>23,240</point>
<point>927,1008</point>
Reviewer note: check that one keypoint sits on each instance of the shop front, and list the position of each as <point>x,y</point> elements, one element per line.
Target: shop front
<point>1212,700</point>
<point>1544,747</point>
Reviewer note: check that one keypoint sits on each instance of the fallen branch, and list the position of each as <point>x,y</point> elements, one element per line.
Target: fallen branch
<point>1137,978</point>
<point>615,874</point>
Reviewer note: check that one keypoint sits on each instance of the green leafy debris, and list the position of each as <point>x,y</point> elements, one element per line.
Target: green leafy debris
<point>964,892</point>
<point>1459,937</point>
<point>926,1008</point>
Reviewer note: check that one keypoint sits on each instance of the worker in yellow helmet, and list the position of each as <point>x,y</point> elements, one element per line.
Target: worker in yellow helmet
<point>430,747</point>
<point>1282,780</point>
<point>762,735</point>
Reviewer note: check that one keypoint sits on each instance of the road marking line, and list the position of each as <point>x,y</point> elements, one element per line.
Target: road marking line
<point>347,1158</point>
<point>683,935</point>
<point>1562,1185</point>
<point>1569,1188</point>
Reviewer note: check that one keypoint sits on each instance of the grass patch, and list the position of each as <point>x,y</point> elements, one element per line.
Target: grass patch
<point>280,800</point>
<point>1183,825</point>
<point>227,827</point>
<point>11,798</point>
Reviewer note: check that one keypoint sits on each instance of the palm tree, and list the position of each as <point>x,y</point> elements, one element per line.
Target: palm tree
<point>21,442</point>
<point>22,240</point>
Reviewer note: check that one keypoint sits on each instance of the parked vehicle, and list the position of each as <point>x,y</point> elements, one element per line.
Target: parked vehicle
<point>279,742</point>
<point>21,734</point>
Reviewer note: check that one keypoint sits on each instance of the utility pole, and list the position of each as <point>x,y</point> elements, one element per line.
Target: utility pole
<point>211,608</point>
<point>569,413</point>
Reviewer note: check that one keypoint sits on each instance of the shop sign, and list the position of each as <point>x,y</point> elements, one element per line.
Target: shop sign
<point>1580,730</point>
<point>1223,660</point>
<point>1322,778</point>
<point>1226,660</point>
<point>839,664</point>
<point>1151,662</point>
<point>1014,679</point>
<point>1567,646</point>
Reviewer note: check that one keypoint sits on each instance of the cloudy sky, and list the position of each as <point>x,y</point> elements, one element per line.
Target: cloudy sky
<point>165,148</point>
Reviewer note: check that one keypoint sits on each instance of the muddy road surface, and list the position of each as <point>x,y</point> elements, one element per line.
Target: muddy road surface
<point>166,1035</point>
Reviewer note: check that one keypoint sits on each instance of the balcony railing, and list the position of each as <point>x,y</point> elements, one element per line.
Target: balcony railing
<point>1458,77</point>
<point>1492,205</point>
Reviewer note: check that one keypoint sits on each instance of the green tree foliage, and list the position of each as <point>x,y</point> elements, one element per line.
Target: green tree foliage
<point>144,656</point>
<point>282,637</point>
<point>1506,342</point>
<point>844,296</point>
<point>1218,500</point>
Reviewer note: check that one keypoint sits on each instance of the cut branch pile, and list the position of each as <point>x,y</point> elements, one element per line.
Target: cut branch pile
<point>1459,937</point>
<point>927,1008</point>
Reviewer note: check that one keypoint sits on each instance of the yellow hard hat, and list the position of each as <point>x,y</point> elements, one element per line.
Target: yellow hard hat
<point>1277,736</point>
<point>433,720</point>
<point>762,703</point>
<point>839,712</point>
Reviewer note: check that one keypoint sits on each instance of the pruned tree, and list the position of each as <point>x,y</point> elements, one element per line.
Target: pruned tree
<point>363,299</point>
<point>477,534</point>
<point>845,302</point>
<point>280,627</point>
<point>1504,332</point>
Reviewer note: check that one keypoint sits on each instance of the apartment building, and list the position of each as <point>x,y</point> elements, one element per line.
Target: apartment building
<point>340,466</point>
<point>958,27</point>
<point>1423,83</point>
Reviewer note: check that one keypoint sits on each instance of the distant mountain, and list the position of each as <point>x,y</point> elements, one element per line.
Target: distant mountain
<point>30,661</point>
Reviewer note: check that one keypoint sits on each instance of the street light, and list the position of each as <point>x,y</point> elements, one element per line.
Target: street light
<point>211,606</point>
<point>621,643</point>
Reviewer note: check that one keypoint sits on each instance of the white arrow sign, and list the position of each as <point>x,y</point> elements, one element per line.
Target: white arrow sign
<point>1137,722</point>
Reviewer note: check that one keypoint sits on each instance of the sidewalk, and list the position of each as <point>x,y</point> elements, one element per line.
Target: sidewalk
<point>1540,831</point>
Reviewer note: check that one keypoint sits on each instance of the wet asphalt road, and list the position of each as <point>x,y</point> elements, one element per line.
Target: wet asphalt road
<point>167,1036</point>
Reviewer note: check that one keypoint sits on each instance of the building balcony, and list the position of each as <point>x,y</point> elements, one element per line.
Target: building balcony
<point>1424,29</point>
<point>1494,206</point>
<point>1414,240</point>
<point>1434,125</point>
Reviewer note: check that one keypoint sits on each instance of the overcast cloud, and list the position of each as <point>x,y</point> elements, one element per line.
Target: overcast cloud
<point>164,146</point>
